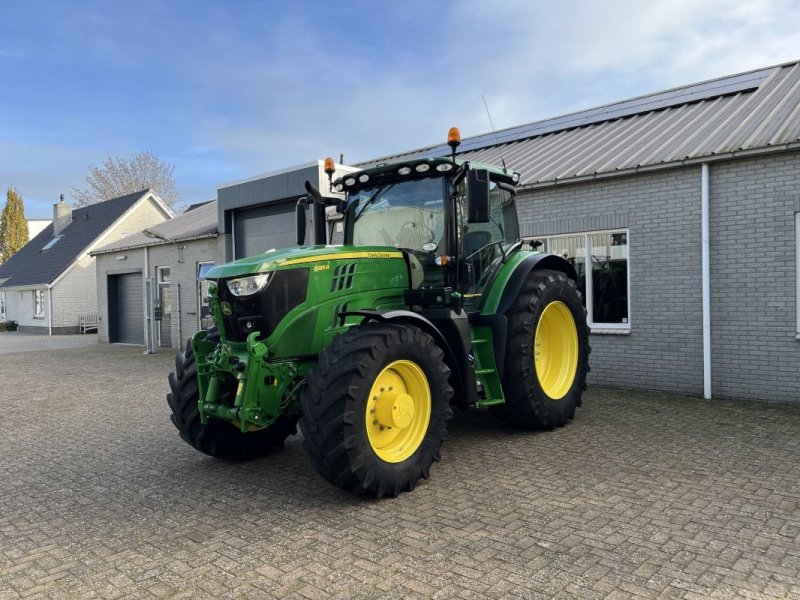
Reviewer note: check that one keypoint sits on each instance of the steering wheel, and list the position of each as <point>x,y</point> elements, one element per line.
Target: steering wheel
<point>405,231</point>
<point>387,239</point>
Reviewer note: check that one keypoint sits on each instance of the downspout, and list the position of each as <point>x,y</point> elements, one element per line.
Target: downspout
<point>147,332</point>
<point>706,278</point>
<point>178,304</point>
<point>49,310</point>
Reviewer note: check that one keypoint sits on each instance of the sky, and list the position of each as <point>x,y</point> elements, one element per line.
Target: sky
<point>231,89</point>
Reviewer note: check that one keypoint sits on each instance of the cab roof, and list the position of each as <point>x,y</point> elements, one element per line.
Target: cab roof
<point>391,172</point>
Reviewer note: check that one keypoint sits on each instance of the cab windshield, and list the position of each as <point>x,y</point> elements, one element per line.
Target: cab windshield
<point>407,214</point>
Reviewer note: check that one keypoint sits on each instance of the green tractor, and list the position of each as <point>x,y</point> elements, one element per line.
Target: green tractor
<point>430,303</point>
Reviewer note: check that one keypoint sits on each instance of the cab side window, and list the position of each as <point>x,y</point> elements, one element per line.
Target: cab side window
<point>483,243</point>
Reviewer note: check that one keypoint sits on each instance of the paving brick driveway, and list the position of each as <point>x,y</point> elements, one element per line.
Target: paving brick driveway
<point>643,495</point>
<point>13,341</point>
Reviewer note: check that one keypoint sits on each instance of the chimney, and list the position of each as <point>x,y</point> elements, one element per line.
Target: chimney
<point>62,216</point>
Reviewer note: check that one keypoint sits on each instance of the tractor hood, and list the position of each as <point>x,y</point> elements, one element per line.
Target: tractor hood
<point>289,258</point>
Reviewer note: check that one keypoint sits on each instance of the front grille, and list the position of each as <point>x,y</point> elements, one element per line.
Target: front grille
<point>263,311</point>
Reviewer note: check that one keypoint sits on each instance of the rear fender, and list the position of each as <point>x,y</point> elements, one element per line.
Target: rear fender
<point>508,284</point>
<point>505,289</point>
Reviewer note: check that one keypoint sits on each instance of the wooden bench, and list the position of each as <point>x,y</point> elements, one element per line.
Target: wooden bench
<point>88,323</point>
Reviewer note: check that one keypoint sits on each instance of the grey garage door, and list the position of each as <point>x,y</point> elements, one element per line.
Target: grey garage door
<point>262,228</point>
<point>125,309</point>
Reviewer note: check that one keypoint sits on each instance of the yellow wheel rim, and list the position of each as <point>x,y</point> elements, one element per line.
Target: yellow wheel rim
<point>555,351</point>
<point>398,411</point>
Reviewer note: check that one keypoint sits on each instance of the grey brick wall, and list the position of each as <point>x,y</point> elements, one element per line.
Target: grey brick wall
<point>753,278</point>
<point>182,274</point>
<point>755,353</point>
<point>662,213</point>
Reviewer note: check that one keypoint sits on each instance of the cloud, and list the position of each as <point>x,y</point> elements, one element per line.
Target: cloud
<point>225,91</point>
<point>531,61</point>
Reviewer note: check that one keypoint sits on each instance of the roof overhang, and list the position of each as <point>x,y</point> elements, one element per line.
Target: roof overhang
<point>641,169</point>
<point>4,287</point>
<point>153,242</point>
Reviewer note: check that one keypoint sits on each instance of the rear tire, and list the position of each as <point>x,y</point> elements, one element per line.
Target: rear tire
<point>375,409</point>
<point>547,353</point>
<point>217,438</point>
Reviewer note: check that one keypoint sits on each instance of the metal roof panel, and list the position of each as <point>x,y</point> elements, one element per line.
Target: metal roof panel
<point>745,111</point>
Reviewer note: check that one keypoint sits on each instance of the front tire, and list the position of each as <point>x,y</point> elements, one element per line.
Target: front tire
<point>375,409</point>
<point>547,353</point>
<point>217,438</point>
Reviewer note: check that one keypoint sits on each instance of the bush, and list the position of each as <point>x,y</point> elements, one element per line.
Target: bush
<point>8,325</point>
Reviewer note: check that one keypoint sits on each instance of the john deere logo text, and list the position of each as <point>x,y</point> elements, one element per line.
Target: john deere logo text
<point>380,255</point>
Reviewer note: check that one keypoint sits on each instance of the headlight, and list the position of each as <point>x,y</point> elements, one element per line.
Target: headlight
<point>247,286</point>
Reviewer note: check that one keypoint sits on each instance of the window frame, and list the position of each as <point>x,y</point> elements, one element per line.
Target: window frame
<point>597,327</point>
<point>797,274</point>
<point>38,306</point>
<point>161,283</point>
<point>2,306</point>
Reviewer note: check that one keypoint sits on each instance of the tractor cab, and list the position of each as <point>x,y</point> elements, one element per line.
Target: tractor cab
<point>456,222</point>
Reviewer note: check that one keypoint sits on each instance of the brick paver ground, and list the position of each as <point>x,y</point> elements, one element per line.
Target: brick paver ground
<point>13,341</point>
<point>644,495</point>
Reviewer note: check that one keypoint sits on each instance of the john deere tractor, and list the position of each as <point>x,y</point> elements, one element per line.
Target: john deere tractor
<point>432,302</point>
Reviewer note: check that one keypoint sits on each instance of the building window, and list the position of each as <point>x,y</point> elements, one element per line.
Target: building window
<point>606,295</point>
<point>204,319</point>
<point>163,307</point>
<point>38,303</point>
<point>164,292</point>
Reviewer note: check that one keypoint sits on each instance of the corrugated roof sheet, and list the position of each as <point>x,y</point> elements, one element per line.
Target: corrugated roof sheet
<point>195,223</point>
<point>747,111</point>
<point>33,265</point>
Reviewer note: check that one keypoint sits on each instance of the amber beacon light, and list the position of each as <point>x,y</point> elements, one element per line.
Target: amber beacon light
<point>454,140</point>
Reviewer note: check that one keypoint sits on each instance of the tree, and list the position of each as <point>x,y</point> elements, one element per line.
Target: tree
<point>120,176</point>
<point>13,226</point>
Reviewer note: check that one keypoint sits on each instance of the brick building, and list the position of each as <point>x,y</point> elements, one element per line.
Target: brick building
<point>681,210</point>
<point>150,288</point>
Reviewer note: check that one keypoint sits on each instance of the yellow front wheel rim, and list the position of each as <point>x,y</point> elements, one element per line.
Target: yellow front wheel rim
<point>398,411</point>
<point>555,352</point>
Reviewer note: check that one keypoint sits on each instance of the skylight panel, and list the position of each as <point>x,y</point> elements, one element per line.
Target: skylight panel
<point>52,243</point>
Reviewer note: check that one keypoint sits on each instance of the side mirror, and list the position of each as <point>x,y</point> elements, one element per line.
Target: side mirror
<point>478,196</point>
<point>300,221</point>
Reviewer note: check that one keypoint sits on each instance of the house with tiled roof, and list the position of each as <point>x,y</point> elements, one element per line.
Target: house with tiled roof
<point>51,282</point>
